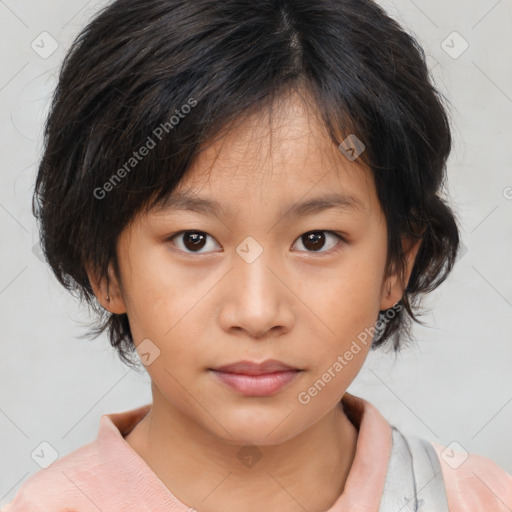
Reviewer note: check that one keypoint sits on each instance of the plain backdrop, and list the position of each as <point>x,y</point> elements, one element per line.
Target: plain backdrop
<point>453,385</point>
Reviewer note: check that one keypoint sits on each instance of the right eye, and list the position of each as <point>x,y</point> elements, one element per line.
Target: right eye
<point>191,242</point>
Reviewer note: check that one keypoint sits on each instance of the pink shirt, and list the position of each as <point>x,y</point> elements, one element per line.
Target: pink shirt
<point>108,475</point>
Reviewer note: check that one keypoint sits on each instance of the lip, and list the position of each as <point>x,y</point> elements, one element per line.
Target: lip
<point>256,379</point>
<point>252,368</point>
<point>257,385</point>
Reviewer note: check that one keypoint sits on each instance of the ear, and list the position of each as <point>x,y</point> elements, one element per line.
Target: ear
<point>108,291</point>
<point>394,285</point>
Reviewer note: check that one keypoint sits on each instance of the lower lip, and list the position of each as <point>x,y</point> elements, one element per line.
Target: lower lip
<point>257,385</point>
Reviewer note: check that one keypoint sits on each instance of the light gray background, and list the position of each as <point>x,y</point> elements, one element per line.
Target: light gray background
<point>454,385</point>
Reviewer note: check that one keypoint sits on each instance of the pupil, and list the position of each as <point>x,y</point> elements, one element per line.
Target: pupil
<point>196,240</point>
<point>314,240</point>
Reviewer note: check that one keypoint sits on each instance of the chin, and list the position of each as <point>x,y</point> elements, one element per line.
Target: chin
<point>258,427</point>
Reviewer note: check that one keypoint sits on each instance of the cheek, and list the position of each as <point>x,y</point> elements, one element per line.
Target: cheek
<point>350,293</point>
<point>346,305</point>
<point>170,307</point>
<point>155,294</point>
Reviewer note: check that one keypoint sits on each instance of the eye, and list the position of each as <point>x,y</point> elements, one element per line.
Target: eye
<point>192,241</point>
<point>313,241</point>
<point>195,241</point>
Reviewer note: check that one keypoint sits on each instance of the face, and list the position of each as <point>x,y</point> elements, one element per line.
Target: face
<point>258,278</point>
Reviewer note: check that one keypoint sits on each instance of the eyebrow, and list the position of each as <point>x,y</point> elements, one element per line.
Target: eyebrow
<point>183,201</point>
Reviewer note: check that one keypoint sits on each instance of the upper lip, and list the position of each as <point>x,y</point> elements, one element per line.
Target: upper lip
<point>252,368</point>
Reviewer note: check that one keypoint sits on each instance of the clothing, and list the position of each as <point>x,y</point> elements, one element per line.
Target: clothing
<point>414,479</point>
<point>108,475</point>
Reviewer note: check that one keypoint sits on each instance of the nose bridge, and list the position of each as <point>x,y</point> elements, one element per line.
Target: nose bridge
<point>252,265</point>
<point>257,298</point>
<point>251,270</point>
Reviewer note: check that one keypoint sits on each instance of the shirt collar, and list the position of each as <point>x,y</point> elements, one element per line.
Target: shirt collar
<point>363,488</point>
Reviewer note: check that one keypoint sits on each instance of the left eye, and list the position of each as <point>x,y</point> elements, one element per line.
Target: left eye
<point>314,241</point>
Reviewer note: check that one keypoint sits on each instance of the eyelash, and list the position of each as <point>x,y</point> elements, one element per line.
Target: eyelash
<point>329,251</point>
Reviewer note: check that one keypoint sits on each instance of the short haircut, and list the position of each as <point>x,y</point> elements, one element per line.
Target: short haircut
<point>171,75</point>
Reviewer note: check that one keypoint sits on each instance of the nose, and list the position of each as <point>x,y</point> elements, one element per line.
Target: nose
<point>257,299</point>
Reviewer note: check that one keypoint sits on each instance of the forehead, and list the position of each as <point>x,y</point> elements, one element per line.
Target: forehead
<point>280,155</point>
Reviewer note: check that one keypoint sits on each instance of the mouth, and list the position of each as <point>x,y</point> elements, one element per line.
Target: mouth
<point>256,379</point>
<point>253,368</point>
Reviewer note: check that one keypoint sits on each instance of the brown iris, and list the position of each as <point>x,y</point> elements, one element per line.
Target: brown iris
<point>314,240</point>
<point>194,240</point>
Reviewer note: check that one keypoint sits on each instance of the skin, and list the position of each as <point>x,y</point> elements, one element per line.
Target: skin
<point>294,304</point>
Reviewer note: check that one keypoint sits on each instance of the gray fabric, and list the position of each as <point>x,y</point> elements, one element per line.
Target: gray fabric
<point>414,479</point>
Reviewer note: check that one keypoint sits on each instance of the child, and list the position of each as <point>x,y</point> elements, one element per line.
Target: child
<point>251,193</point>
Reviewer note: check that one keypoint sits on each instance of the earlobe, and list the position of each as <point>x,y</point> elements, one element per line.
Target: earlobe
<point>108,292</point>
<point>395,284</point>
<point>389,293</point>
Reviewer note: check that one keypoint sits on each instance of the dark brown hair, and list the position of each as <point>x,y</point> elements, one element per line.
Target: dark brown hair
<point>182,71</point>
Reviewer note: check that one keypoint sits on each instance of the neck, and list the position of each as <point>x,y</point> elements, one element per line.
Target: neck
<point>307,472</point>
